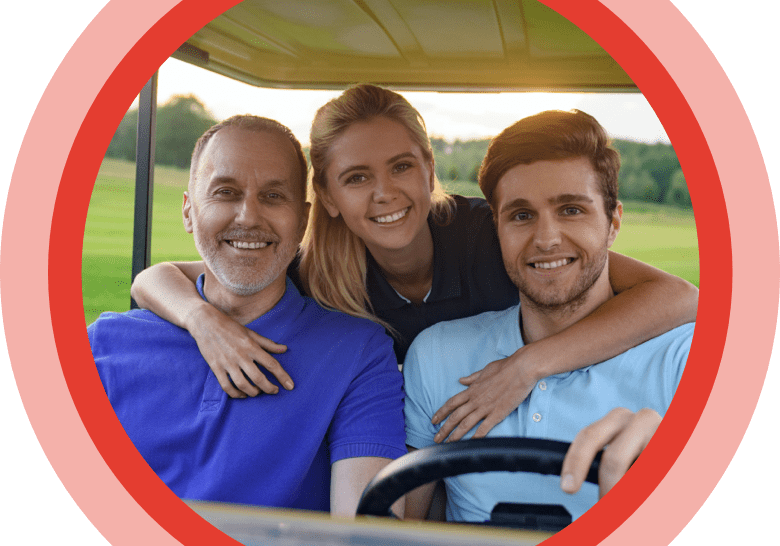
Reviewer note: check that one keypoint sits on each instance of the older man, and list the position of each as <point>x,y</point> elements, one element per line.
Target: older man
<point>342,416</point>
<point>551,181</point>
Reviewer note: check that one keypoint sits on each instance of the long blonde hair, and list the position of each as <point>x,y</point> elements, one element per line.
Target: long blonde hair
<point>333,261</point>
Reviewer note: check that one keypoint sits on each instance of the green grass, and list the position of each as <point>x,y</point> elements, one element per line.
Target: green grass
<point>108,236</point>
<point>659,235</point>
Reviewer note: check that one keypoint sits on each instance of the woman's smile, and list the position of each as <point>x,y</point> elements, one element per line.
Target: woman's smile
<point>391,218</point>
<point>380,182</point>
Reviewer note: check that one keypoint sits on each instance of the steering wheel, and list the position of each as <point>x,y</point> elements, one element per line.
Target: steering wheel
<point>463,457</point>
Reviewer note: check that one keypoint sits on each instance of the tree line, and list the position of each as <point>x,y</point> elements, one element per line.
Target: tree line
<point>180,122</point>
<point>648,172</point>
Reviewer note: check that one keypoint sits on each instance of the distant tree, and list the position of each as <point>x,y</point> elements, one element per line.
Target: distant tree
<point>678,191</point>
<point>638,161</point>
<point>645,175</point>
<point>472,153</point>
<point>122,145</point>
<point>180,122</point>
<point>441,169</point>
<point>661,162</point>
<point>474,176</point>
<point>629,169</point>
<point>640,186</point>
<point>439,146</point>
<point>442,151</point>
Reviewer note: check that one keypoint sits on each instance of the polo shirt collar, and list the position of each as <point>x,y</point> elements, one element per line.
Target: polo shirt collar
<point>510,339</point>
<point>380,293</point>
<point>446,273</point>
<point>277,320</point>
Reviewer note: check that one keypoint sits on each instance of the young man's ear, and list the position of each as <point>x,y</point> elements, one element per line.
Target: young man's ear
<point>614,225</point>
<point>186,211</point>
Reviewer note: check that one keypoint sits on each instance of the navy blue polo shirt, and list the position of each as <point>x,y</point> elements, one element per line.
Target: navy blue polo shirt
<point>468,276</point>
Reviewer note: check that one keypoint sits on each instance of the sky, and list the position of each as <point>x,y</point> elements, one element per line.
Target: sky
<point>450,115</point>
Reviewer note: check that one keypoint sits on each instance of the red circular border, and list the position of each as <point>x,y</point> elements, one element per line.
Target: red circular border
<point>81,436</point>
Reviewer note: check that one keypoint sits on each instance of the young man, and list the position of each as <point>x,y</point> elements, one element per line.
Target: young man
<point>551,181</point>
<point>342,416</point>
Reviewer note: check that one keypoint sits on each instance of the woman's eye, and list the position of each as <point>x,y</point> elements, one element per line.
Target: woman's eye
<point>356,179</point>
<point>401,167</point>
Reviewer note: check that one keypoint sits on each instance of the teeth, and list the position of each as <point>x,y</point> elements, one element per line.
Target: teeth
<point>392,217</point>
<point>552,265</point>
<point>248,245</point>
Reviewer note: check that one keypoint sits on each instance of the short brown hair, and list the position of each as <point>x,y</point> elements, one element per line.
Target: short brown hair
<point>551,135</point>
<point>259,125</point>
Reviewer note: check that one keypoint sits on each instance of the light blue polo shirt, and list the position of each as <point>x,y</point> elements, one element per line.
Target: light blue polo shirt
<point>557,408</point>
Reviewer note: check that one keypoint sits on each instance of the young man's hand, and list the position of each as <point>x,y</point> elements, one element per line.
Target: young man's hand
<point>622,434</point>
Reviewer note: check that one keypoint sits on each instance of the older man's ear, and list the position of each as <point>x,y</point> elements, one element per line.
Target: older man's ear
<point>185,212</point>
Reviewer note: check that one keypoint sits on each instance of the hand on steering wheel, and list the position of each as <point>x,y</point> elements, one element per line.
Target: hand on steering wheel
<point>476,455</point>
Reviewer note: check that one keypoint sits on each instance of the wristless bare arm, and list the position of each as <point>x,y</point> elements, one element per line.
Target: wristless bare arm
<point>232,351</point>
<point>648,303</point>
<point>168,289</point>
<point>349,478</point>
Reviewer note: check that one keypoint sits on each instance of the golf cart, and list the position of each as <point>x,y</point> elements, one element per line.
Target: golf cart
<point>668,61</point>
<point>506,46</point>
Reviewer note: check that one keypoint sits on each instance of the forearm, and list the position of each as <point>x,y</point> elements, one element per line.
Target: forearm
<point>168,292</point>
<point>418,501</point>
<point>234,353</point>
<point>656,303</point>
<point>349,478</point>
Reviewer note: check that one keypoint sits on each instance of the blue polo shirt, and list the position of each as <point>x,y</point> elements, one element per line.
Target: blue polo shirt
<point>271,450</point>
<point>557,408</point>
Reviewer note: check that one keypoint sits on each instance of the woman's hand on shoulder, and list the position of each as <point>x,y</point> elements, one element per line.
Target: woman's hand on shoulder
<point>235,353</point>
<point>493,393</point>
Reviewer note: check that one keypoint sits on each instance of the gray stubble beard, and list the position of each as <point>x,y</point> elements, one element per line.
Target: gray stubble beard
<point>243,287</point>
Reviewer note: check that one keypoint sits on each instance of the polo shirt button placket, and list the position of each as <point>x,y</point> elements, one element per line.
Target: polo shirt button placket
<point>536,417</point>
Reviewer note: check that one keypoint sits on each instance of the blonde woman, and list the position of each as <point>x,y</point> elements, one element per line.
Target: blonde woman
<point>386,243</point>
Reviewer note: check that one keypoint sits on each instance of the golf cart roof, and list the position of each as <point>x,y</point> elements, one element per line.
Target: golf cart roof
<point>408,44</point>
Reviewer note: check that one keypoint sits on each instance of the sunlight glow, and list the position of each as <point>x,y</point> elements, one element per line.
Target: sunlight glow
<point>453,116</point>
